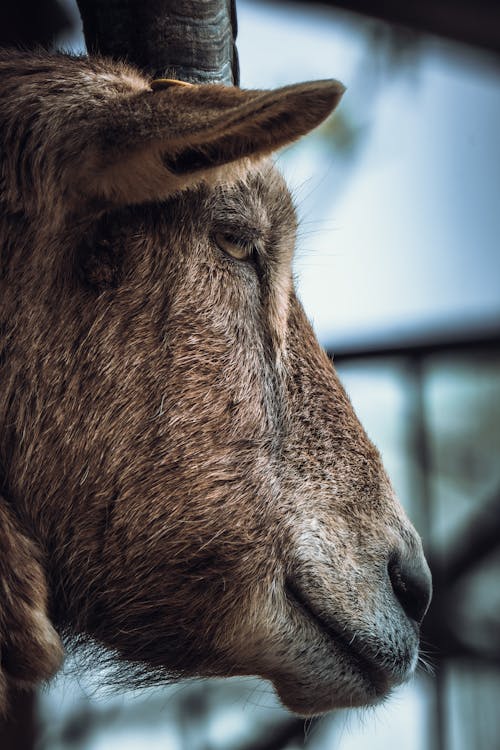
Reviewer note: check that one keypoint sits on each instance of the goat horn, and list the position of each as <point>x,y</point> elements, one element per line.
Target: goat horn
<point>192,40</point>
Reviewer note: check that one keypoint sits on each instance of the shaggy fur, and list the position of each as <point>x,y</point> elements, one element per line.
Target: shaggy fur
<point>183,477</point>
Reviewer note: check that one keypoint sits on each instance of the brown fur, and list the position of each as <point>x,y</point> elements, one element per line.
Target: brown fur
<point>178,456</point>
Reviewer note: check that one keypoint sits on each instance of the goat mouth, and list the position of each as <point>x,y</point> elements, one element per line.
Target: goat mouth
<point>345,642</point>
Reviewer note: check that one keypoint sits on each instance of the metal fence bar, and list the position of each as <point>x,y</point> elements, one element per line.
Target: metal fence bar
<point>415,373</point>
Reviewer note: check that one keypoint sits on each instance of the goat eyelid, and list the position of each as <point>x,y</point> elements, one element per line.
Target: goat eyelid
<point>236,247</point>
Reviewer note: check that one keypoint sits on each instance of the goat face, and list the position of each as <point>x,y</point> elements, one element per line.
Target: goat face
<point>187,476</point>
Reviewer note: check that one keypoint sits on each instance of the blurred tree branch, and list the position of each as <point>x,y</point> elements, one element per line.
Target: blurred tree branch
<point>31,23</point>
<point>473,22</point>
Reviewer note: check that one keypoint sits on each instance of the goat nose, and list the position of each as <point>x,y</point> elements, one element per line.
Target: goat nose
<point>412,584</point>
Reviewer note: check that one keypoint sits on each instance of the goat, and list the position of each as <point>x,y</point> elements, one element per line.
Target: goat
<point>183,477</point>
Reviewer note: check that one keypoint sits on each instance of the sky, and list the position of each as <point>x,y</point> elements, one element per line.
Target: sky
<point>401,240</point>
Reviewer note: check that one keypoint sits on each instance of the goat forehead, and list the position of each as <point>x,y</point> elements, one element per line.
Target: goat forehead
<point>261,201</point>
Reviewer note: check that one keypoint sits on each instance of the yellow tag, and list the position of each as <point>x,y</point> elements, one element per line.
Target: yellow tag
<point>164,83</point>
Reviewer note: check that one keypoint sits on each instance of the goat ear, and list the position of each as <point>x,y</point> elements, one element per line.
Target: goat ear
<point>164,140</point>
<point>30,649</point>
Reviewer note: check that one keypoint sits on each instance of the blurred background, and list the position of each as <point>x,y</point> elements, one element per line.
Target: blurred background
<point>398,266</point>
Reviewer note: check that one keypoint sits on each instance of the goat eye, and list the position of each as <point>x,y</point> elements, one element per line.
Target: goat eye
<point>234,246</point>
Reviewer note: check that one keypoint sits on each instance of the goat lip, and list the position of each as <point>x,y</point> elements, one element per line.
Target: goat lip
<point>344,643</point>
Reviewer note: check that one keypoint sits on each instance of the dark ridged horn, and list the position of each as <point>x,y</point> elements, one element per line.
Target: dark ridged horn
<point>192,40</point>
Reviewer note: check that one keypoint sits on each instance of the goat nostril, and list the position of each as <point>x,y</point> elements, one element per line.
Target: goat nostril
<point>412,584</point>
